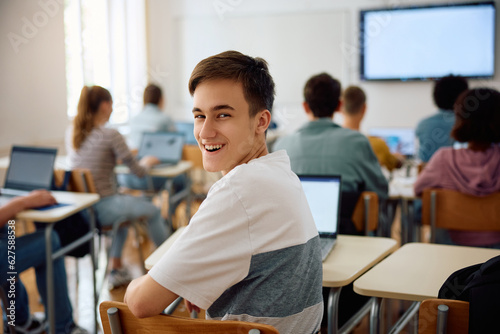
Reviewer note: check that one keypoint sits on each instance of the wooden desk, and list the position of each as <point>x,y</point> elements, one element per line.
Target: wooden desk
<point>351,257</point>
<point>79,201</point>
<point>415,272</point>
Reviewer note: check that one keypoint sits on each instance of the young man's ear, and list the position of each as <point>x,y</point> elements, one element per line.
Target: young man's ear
<point>263,119</point>
<point>339,105</point>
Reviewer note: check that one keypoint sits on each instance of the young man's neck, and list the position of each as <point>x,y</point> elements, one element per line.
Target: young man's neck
<point>351,123</point>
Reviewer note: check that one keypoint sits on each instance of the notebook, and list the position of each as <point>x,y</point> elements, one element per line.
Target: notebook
<point>166,146</point>
<point>323,194</point>
<point>399,140</point>
<point>30,168</point>
<point>187,129</point>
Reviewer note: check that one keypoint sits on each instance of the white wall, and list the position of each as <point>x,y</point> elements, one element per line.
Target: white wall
<point>33,86</point>
<point>183,31</point>
<point>32,74</point>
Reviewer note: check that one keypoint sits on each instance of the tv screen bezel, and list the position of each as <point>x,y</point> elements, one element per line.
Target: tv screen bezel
<point>363,12</point>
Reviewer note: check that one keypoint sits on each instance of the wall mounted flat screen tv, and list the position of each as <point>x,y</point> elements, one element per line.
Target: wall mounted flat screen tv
<point>420,43</point>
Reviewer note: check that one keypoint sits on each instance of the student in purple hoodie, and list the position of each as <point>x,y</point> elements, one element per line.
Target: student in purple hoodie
<point>474,170</point>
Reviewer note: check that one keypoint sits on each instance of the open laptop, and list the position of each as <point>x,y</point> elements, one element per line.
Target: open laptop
<point>323,194</point>
<point>166,146</point>
<point>399,140</point>
<point>30,168</point>
<point>187,129</point>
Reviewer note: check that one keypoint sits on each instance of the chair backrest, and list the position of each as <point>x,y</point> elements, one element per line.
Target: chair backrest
<point>192,153</point>
<point>117,313</point>
<point>365,215</point>
<point>456,319</point>
<point>450,209</point>
<point>80,180</point>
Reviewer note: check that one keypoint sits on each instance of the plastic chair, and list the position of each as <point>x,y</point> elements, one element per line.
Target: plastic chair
<point>440,316</point>
<point>117,319</point>
<point>450,209</point>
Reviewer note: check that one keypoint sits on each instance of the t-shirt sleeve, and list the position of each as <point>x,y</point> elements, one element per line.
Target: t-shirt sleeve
<point>212,254</point>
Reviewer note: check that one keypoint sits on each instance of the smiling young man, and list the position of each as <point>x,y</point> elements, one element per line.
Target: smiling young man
<point>251,252</point>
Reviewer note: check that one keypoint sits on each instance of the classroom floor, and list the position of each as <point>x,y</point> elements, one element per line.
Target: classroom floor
<point>80,281</point>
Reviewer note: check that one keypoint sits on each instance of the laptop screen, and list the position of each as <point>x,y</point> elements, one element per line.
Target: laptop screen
<point>187,129</point>
<point>399,140</point>
<point>323,195</point>
<point>166,146</point>
<point>30,168</point>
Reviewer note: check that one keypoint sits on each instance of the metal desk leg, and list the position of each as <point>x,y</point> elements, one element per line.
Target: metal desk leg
<point>93,257</point>
<point>375,316</point>
<point>50,278</point>
<point>333,303</point>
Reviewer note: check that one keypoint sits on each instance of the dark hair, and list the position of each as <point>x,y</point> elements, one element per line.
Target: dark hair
<point>447,89</point>
<point>88,105</point>
<point>152,94</point>
<point>353,98</point>
<point>477,114</point>
<point>253,73</point>
<point>322,94</point>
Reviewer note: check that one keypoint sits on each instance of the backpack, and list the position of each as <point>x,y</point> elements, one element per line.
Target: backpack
<point>479,285</point>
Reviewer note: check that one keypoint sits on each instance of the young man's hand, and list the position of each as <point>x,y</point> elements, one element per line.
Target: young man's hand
<point>190,306</point>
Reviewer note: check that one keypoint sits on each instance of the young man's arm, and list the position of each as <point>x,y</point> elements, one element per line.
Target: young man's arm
<point>146,298</point>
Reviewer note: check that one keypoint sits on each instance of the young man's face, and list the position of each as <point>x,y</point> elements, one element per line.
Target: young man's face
<point>226,134</point>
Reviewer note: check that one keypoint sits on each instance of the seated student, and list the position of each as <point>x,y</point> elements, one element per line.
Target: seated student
<point>30,252</point>
<point>433,132</point>
<point>150,119</point>
<point>474,170</point>
<point>249,253</point>
<point>353,110</point>
<point>323,147</point>
<point>92,146</point>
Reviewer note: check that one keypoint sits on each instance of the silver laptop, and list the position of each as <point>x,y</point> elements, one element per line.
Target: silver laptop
<point>166,146</point>
<point>30,168</point>
<point>399,140</point>
<point>323,194</point>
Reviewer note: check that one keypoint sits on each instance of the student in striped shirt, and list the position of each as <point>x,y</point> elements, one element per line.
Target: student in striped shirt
<point>92,145</point>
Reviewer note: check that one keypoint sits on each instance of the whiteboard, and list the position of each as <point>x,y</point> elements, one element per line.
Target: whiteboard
<point>296,46</point>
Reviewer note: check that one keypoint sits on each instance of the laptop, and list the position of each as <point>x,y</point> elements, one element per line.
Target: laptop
<point>399,140</point>
<point>323,194</point>
<point>187,129</point>
<point>30,168</point>
<point>166,146</point>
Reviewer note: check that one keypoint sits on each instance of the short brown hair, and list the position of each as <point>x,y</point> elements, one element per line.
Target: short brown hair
<point>447,89</point>
<point>322,94</point>
<point>354,98</point>
<point>152,94</point>
<point>253,73</point>
<point>477,114</point>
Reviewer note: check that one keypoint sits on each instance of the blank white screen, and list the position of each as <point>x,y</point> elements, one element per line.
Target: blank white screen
<point>429,42</point>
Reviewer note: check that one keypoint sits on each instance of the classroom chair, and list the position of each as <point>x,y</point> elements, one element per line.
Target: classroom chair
<point>440,316</point>
<point>117,319</point>
<point>366,211</point>
<point>450,209</point>
<point>193,154</point>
